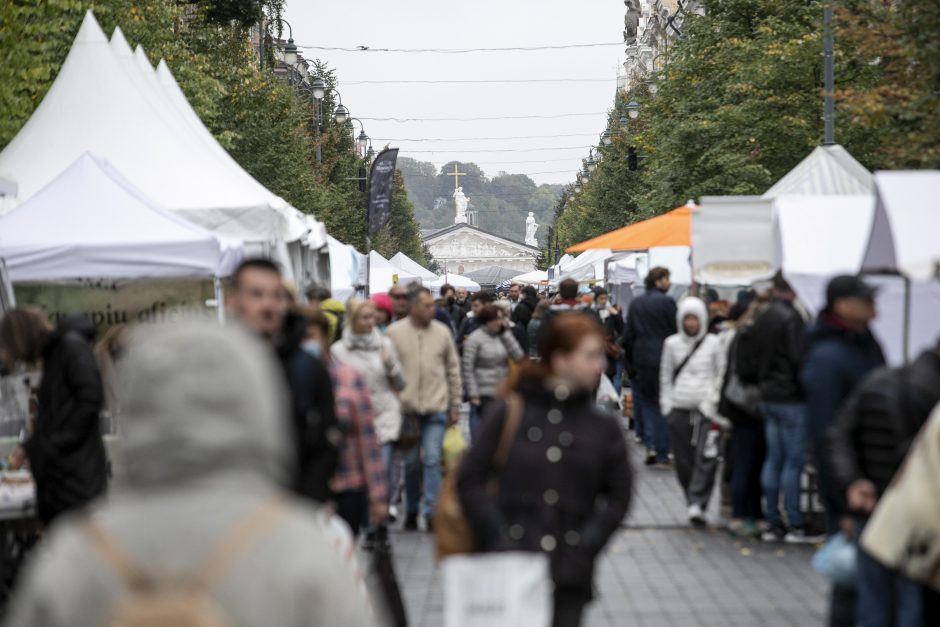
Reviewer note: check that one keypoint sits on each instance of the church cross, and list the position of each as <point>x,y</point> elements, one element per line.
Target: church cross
<point>456,176</point>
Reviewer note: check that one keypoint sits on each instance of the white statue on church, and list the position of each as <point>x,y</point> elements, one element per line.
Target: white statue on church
<point>530,228</point>
<point>462,202</point>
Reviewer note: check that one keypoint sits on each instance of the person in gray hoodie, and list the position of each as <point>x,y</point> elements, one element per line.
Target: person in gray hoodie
<point>689,381</point>
<point>486,356</point>
<point>205,453</point>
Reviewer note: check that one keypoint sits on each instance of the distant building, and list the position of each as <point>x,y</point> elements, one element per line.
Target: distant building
<point>651,28</point>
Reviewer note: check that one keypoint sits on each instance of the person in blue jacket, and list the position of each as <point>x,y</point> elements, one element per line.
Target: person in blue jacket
<point>841,352</point>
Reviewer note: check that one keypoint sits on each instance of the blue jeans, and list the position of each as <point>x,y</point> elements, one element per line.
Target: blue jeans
<point>749,451</point>
<point>655,430</point>
<point>785,429</point>
<point>424,462</point>
<point>885,598</point>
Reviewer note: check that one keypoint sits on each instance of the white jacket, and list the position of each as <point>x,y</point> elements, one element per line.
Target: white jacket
<point>374,357</point>
<point>694,388</point>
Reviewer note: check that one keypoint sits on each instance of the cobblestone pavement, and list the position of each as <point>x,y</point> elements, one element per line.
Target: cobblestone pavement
<point>658,572</point>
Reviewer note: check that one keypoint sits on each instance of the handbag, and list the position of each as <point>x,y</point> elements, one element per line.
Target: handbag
<point>410,433</point>
<point>452,531</point>
<point>504,589</point>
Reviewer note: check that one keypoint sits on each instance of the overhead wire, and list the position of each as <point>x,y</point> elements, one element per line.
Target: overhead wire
<point>473,139</point>
<point>481,81</point>
<point>498,117</point>
<point>363,48</point>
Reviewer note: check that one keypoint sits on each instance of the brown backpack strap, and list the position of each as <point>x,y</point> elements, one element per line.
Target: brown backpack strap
<point>235,542</point>
<point>240,539</point>
<point>116,556</point>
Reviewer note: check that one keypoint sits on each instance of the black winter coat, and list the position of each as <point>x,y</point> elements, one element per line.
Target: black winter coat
<point>316,431</point>
<point>66,452</point>
<point>651,318</point>
<point>522,314</point>
<point>879,421</point>
<point>564,490</point>
<point>780,343</point>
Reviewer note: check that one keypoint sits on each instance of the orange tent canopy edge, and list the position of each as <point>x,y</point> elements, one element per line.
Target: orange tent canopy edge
<point>670,229</point>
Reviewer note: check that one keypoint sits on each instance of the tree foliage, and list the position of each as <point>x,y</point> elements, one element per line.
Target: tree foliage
<point>269,127</point>
<point>739,104</point>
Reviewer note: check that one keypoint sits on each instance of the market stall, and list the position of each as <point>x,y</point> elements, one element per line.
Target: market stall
<point>383,274</point>
<point>410,266</point>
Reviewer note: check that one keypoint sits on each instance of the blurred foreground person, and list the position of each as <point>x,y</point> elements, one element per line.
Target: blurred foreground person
<point>360,488</point>
<point>691,371</point>
<point>841,351</point>
<point>903,534</point>
<point>257,298</point>
<point>565,485</point>
<point>199,530</point>
<point>870,439</point>
<point>65,450</point>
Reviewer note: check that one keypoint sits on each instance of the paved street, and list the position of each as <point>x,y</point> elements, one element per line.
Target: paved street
<point>658,572</point>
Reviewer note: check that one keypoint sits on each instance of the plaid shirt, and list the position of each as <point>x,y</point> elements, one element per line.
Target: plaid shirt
<point>360,458</point>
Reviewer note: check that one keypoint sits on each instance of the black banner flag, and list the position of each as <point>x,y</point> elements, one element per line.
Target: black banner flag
<point>380,189</point>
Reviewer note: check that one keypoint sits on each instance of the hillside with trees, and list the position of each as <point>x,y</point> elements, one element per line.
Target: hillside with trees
<point>501,202</point>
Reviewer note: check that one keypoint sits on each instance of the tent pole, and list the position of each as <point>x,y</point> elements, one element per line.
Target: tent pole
<point>219,299</point>
<point>906,336</point>
<point>368,265</point>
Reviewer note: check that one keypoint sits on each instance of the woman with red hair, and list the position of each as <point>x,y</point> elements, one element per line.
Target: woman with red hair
<point>565,484</point>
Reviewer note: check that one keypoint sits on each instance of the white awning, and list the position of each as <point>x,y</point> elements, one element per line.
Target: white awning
<point>90,222</point>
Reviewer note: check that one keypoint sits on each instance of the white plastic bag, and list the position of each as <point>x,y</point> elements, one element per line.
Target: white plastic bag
<point>497,590</point>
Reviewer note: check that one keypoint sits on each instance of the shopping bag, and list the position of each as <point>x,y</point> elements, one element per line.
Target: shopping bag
<point>507,589</point>
<point>837,560</point>
<point>454,446</point>
<point>381,579</point>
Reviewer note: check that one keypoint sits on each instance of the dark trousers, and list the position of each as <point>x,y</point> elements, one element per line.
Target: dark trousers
<point>352,507</point>
<point>569,607</point>
<point>749,450</point>
<point>655,431</point>
<point>688,432</point>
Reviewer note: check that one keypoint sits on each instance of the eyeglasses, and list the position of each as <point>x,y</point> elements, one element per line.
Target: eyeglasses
<point>399,296</point>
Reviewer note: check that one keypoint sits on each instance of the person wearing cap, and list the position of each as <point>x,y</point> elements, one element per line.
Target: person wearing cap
<point>841,351</point>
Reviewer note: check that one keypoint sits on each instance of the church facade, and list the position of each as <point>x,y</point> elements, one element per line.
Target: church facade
<point>462,248</point>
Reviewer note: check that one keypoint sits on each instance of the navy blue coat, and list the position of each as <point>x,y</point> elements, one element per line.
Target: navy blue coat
<point>650,320</point>
<point>837,360</point>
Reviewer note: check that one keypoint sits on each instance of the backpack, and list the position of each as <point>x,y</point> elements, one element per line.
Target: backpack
<point>189,602</point>
<point>746,354</point>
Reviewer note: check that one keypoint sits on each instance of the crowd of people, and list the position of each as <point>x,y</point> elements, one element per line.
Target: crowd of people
<point>253,438</point>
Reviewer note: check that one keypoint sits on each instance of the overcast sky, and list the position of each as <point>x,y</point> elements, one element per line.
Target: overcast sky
<point>479,24</point>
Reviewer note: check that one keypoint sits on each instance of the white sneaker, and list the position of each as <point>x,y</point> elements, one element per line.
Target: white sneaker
<point>798,536</point>
<point>696,515</point>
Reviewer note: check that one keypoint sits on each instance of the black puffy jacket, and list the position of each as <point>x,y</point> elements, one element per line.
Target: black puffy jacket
<point>66,452</point>
<point>879,421</point>
<point>780,345</point>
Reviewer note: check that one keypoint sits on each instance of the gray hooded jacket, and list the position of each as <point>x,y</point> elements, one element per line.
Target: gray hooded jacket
<point>205,444</point>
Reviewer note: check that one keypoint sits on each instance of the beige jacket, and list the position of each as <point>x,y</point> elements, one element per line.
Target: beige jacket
<point>432,368</point>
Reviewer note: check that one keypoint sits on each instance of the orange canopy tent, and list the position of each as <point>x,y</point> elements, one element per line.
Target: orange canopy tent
<point>670,229</point>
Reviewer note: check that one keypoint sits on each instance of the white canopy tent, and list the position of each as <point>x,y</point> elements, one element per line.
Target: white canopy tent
<point>586,267</point>
<point>383,274</point>
<point>345,269</point>
<point>824,236</point>
<point>410,266</point>
<point>90,222</point>
<point>96,105</point>
<point>535,277</point>
<point>906,225</point>
<point>733,240</point>
<point>455,280</point>
<point>826,171</point>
